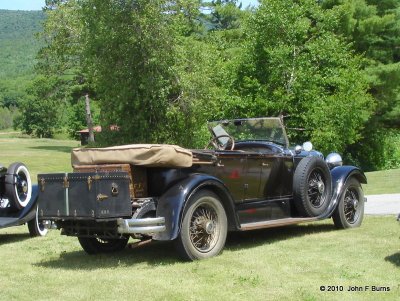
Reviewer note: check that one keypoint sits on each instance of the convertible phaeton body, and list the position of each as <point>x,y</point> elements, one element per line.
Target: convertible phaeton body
<point>18,199</point>
<point>251,179</point>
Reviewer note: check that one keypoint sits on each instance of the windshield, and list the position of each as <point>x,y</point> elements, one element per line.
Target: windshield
<point>253,129</point>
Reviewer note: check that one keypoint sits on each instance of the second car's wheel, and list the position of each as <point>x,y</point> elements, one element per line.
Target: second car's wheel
<point>312,186</point>
<point>35,227</point>
<point>204,227</point>
<point>18,185</point>
<point>350,211</point>
<point>93,245</point>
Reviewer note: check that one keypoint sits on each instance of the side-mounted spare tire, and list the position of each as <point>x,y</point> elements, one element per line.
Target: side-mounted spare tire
<point>18,185</point>
<point>312,186</point>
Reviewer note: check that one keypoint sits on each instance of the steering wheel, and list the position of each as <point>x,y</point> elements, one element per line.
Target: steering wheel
<point>217,144</point>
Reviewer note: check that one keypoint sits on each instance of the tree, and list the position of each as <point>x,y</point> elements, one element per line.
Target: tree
<point>373,28</point>
<point>40,113</point>
<point>129,51</point>
<point>61,60</point>
<point>295,65</point>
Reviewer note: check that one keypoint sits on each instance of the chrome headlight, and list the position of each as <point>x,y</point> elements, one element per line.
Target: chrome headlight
<point>334,160</point>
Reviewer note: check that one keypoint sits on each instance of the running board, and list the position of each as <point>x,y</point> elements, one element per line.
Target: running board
<point>276,223</point>
<point>8,221</point>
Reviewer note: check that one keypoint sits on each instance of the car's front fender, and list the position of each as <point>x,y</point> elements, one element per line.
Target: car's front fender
<point>340,175</point>
<point>172,203</point>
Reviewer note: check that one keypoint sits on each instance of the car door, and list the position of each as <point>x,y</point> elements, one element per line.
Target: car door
<point>230,169</point>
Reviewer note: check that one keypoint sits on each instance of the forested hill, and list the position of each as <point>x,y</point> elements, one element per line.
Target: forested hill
<point>18,45</point>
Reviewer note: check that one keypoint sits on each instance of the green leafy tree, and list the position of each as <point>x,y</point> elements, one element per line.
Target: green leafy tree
<point>40,113</point>
<point>61,59</point>
<point>129,51</point>
<point>373,28</point>
<point>295,65</point>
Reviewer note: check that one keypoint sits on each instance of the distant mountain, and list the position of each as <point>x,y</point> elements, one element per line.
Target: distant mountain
<point>18,44</point>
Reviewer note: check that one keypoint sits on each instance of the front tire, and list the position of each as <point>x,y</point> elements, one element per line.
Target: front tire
<point>93,245</point>
<point>350,211</point>
<point>204,227</point>
<point>18,185</point>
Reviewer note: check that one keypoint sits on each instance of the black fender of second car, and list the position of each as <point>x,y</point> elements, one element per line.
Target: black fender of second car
<point>171,204</point>
<point>24,215</point>
<point>340,175</point>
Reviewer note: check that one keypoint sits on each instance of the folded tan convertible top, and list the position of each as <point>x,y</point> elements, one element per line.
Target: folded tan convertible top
<point>152,155</point>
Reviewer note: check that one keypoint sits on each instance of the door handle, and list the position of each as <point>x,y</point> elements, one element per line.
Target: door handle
<point>264,164</point>
<point>219,164</point>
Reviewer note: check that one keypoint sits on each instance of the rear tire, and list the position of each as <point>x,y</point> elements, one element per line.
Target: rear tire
<point>350,211</point>
<point>312,186</point>
<point>93,245</point>
<point>204,227</point>
<point>18,185</point>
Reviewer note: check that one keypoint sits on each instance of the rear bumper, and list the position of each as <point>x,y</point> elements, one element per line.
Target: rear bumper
<point>110,228</point>
<point>141,225</point>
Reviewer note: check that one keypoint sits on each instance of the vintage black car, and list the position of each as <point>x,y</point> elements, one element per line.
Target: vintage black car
<point>251,179</point>
<point>18,199</point>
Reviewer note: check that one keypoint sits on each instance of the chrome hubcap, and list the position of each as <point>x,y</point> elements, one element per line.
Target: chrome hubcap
<point>321,187</point>
<point>24,186</point>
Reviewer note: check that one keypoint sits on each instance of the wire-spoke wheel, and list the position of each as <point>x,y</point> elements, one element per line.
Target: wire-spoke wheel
<point>204,227</point>
<point>316,189</point>
<point>312,186</point>
<point>350,211</point>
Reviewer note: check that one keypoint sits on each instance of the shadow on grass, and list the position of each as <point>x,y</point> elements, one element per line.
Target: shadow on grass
<point>63,149</point>
<point>394,258</point>
<point>154,254</point>
<point>12,238</point>
<point>164,253</point>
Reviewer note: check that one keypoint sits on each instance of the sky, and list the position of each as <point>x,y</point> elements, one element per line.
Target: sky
<point>38,4</point>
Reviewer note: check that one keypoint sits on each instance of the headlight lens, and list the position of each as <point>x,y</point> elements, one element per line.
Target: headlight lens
<point>334,160</point>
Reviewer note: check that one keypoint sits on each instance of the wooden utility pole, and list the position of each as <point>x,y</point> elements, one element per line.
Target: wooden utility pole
<point>89,120</point>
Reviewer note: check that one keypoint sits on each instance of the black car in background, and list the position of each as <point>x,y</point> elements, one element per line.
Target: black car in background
<point>250,179</point>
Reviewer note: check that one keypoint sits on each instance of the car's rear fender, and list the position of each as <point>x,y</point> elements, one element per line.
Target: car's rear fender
<point>340,176</point>
<point>172,203</point>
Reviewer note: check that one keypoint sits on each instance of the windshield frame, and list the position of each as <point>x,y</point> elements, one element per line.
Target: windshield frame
<point>279,122</point>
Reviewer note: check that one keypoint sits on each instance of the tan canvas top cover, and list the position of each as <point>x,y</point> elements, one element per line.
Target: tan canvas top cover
<point>152,155</point>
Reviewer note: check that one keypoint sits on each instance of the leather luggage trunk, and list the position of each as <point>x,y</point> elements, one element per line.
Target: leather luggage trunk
<point>138,176</point>
<point>91,195</point>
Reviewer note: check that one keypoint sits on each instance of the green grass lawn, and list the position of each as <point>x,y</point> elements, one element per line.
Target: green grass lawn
<point>40,155</point>
<point>289,263</point>
<point>382,182</point>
